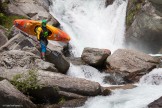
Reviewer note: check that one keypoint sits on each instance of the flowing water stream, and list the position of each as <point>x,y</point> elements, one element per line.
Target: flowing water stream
<point>91,24</point>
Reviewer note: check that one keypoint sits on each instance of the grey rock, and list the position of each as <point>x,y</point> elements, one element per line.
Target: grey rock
<point>58,60</point>
<point>53,84</point>
<point>146,29</point>
<point>3,37</point>
<point>108,2</point>
<point>21,59</point>
<point>95,56</point>
<point>156,1</point>
<point>156,104</point>
<point>131,64</point>
<point>69,84</point>
<point>10,96</point>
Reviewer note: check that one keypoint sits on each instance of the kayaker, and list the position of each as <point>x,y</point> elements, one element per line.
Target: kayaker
<point>42,34</point>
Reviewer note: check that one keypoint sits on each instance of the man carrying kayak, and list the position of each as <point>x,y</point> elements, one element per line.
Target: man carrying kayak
<point>42,34</point>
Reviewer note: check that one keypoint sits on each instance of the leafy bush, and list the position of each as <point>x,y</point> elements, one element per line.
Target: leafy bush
<point>25,82</point>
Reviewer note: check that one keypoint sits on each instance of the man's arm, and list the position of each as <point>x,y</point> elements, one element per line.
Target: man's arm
<point>38,32</point>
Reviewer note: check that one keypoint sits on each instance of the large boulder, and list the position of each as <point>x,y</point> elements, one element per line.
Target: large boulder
<point>21,59</point>
<point>11,97</point>
<point>131,64</point>
<point>55,84</point>
<point>156,104</point>
<point>95,56</point>
<point>58,59</point>
<point>33,9</point>
<point>145,26</point>
<point>69,84</point>
<point>3,37</point>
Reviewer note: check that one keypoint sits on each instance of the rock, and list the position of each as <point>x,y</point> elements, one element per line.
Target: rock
<point>33,9</point>
<point>21,42</point>
<point>69,95</point>
<point>11,97</point>
<point>58,60</point>
<point>114,79</point>
<point>52,21</point>
<point>12,43</point>
<point>95,56</point>
<point>146,27</point>
<point>130,63</point>
<point>156,1</point>
<point>21,59</point>
<point>108,2</point>
<point>74,103</point>
<point>124,87</point>
<point>57,82</point>
<point>105,91</point>
<point>3,37</point>
<point>156,104</point>
<point>67,104</point>
<point>44,4</point>
<point>13,32</point>
<point>76,61</point>
<point>69,84</point>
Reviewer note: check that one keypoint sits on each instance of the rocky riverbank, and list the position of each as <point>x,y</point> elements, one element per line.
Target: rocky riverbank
<point>29,82</point>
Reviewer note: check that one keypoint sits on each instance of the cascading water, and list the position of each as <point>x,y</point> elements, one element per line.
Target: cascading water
<point>148,90</point>
<point>91,24</point>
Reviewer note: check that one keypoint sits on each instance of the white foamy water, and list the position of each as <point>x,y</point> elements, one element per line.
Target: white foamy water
<point>148,90</point>
<point>87,72</point>
<point>90,24</point>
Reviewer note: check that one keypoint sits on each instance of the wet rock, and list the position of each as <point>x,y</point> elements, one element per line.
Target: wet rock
<point>145,28</point>
<point>156,104</point>
<point>108,2</point>
<point>11,96</point>
<point>76,61</point>
<point>131,64</point>
<point>95,56</point>
<point>114,79</point>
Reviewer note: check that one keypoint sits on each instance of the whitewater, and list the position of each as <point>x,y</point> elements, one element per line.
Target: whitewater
<point>91,24</point>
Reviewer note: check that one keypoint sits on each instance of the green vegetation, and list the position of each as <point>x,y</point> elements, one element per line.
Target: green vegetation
<point>61,100</point>
<point>133,10</point>
<point>25,82</point>
<point>7,19</point>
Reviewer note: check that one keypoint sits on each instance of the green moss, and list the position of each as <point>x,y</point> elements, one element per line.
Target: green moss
<point>133,11</point>
<point>7,20</point>
<point>4,5</point>
<point>25,82</point>
<point>61,100</point>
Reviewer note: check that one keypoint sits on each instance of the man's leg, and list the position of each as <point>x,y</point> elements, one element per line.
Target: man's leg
<point>43,50</point>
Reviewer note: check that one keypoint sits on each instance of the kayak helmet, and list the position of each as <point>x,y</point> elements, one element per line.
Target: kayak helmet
<point>44,22</point>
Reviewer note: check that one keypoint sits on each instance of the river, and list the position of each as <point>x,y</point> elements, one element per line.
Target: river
<point>91,24</point>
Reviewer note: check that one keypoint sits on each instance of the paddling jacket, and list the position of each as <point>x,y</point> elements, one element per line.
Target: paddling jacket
<point>42,33</point>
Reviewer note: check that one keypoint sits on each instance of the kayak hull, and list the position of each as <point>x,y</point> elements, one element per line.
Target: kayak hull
<point>29,27</point>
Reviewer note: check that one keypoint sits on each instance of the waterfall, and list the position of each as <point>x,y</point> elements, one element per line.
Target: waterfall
<point>91,24</point>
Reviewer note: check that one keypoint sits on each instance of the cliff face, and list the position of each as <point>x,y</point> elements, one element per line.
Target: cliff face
<point>144,25</point>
